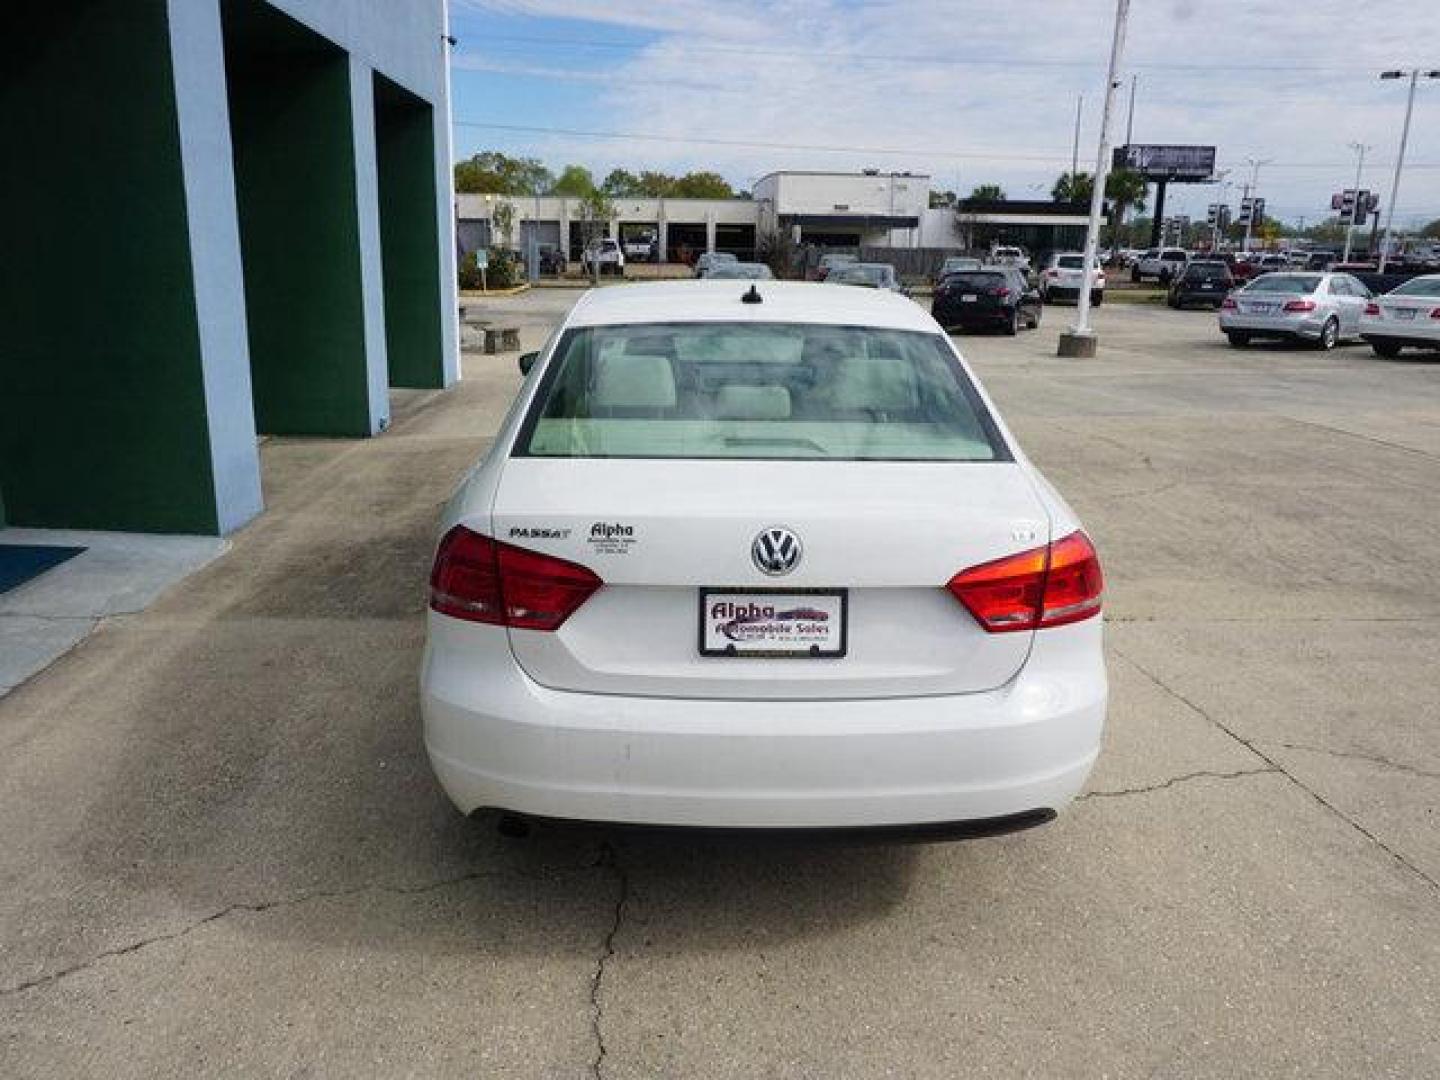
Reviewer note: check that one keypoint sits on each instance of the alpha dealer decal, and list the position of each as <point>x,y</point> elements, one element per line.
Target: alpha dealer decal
<point>611,538</point>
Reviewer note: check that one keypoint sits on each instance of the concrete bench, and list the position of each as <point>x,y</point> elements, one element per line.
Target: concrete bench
<point>502,339</point>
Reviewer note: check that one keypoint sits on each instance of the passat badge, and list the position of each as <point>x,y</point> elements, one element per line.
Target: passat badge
<point>776,551</point>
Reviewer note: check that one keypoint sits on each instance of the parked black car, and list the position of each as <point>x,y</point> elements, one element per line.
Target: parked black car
<point>1201,283</point>
<point>996,297</point>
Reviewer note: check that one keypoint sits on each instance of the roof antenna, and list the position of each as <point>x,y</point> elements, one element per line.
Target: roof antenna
<point>753,296</point>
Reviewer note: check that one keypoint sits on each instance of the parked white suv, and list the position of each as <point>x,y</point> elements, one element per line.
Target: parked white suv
<point>1010,256</point>
<point>1063,277</point>
<point>605,253</point>
<point>1159,264</point>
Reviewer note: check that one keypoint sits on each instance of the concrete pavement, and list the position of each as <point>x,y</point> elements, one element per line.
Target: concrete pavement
<point>223,851</point>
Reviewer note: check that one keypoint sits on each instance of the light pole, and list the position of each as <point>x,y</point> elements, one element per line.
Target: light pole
<point>1415,74</point>
<point>1075,146</point>
<point>1080,341</point>
<point>1360,149</point>
<point>1251,186</point>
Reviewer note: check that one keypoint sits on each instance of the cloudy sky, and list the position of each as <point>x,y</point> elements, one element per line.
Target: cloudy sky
<point>972,93</point>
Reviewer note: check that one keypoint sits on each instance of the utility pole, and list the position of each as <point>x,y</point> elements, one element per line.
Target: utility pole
<point>1254,183</point>
<point>1130,122</point>
<point>1081,341</point>
<point>1359,149</point>
<point>1400,157</point>
<point>1075,146</point>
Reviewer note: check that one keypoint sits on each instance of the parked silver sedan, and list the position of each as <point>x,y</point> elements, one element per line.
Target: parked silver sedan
<point>1320,309</point>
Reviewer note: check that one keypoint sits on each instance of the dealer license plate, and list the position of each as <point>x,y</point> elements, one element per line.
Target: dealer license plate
<point>760,623</point>
<point>1403,312</point>
<point>969,298</point>
<point>1261,309</point>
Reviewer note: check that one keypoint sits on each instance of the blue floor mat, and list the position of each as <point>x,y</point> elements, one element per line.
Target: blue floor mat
<point>21,562</point>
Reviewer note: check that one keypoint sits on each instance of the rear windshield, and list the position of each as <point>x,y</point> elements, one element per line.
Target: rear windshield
<point>1420,286</point>
<point>757,390</point>
<point>1071,262</point>
<point>860,274</point>
<point>976,279</point>
<point>1291,283</point>
<point>1207,270</point>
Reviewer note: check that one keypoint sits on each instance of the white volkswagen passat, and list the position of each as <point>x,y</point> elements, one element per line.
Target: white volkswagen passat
<point>761,556</point>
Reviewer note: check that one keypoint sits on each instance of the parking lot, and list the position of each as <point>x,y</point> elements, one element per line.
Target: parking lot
<point>224,852</point>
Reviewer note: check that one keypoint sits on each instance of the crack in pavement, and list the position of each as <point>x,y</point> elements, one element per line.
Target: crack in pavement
<point>237,908</point>
<point>608,860</point>
<point>1374,759</point>
<point>1202,774</point>
<point>1250,745</point>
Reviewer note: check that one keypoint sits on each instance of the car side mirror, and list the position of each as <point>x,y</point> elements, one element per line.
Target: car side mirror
<point>527,361</point>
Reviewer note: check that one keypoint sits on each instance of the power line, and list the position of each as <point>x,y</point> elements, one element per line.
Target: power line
<point>1060,157</point>
<point>910,58</point>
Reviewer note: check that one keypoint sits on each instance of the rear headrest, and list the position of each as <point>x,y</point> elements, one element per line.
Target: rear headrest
<point>875,383</point>
<point>752,403</point>
<point>627,381</point>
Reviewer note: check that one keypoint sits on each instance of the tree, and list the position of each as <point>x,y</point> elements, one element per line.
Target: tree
<point>942,200</point>
<point>494,172</point>
<point>620,183</point>
<point>1432,230</point>
<point>702,185</point>
<point>1073,187</point>
<point>574,180</point>
<point>1126,189</point>
<point>656,184</point>
<point>596,212</point>
<point>988,193</point>
<point>502,220</point>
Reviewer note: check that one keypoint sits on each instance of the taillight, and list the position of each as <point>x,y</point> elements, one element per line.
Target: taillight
<point>1300,305</point>
<point>1435,313</point>
<point>1228,304</point>
<point>1052,273</point>
<point>1047,586</point>
<point>1374,309</point>
<point>1002,292</point>
<point>481,580</point>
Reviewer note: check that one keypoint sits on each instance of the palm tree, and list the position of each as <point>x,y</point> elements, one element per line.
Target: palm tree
<point>1073,187</point>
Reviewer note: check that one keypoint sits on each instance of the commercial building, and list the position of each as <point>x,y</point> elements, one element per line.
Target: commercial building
<point>811,210</point>
<point>225,218</point>
<point>681,228</point>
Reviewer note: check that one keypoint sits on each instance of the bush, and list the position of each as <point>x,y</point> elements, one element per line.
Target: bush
<point>506,270</point>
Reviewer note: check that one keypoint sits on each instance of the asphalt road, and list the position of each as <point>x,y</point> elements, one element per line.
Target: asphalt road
<point>222,851</point>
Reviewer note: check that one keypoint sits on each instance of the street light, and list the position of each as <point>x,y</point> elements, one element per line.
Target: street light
<point>1414,74</point>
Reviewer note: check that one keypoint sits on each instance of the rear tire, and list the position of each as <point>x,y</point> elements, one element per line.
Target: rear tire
<point>1013,326</point>
<point>1329,335</point>
<point>1238,339</point>
<point>1388,349</point>
<point>1134,277</point>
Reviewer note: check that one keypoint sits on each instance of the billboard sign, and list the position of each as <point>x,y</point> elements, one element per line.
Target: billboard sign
<point>1178,163</point>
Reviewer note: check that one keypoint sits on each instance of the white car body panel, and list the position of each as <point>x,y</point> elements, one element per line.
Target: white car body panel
<point>617,717</point>
<point>1407,319</point>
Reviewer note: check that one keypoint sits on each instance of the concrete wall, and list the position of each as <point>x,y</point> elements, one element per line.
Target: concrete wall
<point>114,394</point>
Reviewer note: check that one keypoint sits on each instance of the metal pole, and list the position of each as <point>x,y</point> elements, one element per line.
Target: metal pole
<point>1130,123</point>
<point>1399,164</point>
<point>1254,184</point>
<point>1075,147</point>
<point>1359,149</point>
<point>1102,169</point>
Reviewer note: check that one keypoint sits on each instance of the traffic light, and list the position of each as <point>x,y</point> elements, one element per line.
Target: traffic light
<point>1257,213</point>
<point>1247,211</point>
<point>1347,204</point>
<point>1212,215</point>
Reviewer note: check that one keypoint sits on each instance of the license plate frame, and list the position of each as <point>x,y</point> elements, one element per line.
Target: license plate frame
<point>1403,313</point>
<point>838,599</point>
<point>969,298</point>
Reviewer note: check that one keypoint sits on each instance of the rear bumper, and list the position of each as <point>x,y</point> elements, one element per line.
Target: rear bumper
<point>497,739</point>
<point>1307,326</point>
<point>1071,292</point>
<point>967,315</point>
<point>1375,335</point>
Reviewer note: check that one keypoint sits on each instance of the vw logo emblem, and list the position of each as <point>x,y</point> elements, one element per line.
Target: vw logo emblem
<point>776,551</point>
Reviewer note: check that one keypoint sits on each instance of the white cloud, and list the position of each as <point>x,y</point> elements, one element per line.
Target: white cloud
<point>978,90</point>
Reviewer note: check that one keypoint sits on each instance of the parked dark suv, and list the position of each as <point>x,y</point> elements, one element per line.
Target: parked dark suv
<point>1204,282</point>
<point>997,297</point>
